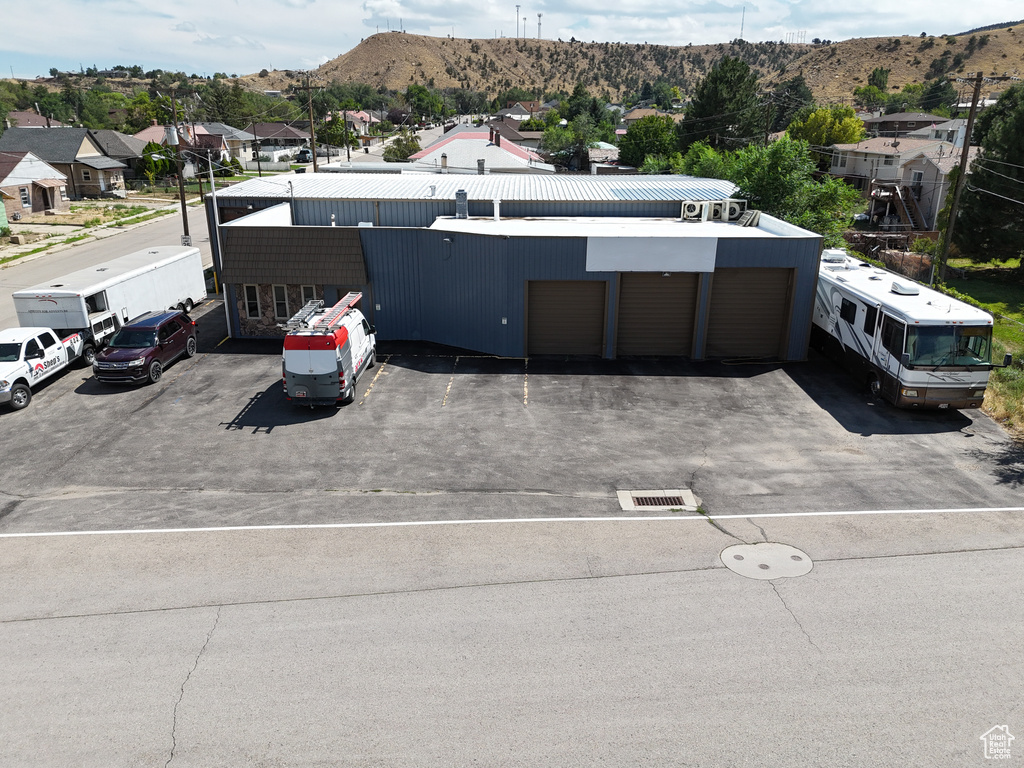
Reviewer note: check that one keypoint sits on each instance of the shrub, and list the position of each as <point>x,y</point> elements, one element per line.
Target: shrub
<point>923,245</point>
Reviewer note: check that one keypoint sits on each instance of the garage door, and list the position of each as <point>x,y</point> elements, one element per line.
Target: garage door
<point>565,317</point>
<point>656,313</point>
<point>749,312</point>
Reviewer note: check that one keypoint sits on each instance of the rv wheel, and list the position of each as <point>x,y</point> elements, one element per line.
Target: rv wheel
<point>188,305</point>
<point>874,386</point>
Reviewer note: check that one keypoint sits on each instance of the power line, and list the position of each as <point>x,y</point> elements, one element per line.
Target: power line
<point>1000,162</point>
<point>1001,197</point>
<point>1003,175</point>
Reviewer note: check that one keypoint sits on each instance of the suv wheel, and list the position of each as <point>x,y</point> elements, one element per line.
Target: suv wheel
<point>155,371</point>
<point>190,347</point>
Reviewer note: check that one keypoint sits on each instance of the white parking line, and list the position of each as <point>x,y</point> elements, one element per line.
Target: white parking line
<point>511,520</point>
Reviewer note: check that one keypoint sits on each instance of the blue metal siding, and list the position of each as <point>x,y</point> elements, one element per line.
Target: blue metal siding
<point>800,254</point>
<point>457,293</point>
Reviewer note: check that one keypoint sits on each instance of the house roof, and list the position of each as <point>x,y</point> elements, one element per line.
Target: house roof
<point>24,119</point>
<point>947,162</point>
<point>503,186</point>
<point>464,149</point>
<point>54,145</point>
<point>885,145</point>
<point>100,162</point>
<point>276,131</point>
<point>119,145</point>
<point>9,161</point>
<point>227,131</point>
<point>905,117</point>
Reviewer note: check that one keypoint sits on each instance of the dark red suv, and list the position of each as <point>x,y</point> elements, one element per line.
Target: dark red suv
<point>141,350</point>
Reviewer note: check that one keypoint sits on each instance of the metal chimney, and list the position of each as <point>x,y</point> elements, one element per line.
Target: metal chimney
<point>480,166</point>
<point>444,162</point>
<point>461,204</point>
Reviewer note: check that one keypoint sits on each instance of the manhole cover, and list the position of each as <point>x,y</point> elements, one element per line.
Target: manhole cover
<point>766,561</point>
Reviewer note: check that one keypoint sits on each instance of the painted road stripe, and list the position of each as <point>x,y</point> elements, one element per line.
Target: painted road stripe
<point>512,520</point>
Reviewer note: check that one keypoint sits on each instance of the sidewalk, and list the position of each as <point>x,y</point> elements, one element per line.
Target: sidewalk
<point>61,232</point>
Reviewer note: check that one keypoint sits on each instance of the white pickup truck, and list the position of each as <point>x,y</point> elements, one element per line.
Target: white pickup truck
<point>29,356</point>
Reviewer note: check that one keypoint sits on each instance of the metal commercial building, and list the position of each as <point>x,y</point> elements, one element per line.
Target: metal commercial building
<point>572,265</point>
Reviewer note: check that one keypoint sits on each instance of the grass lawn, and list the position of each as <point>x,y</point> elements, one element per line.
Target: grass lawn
<point>999,288</point>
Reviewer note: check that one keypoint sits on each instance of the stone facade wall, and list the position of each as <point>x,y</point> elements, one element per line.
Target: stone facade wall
<point>266,324</point>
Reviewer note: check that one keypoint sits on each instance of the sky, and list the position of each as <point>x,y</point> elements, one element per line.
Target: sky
<point>234,37</point>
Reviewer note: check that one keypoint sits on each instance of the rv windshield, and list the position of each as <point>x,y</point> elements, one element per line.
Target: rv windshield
<point>128,338</point>
<point>949,344</point>
<point>9,353</point>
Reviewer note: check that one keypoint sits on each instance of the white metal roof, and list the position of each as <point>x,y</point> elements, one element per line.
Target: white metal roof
<point>587,226</point>
<point>101,276</point>
<point>874,286</point>
<point>507,187</point>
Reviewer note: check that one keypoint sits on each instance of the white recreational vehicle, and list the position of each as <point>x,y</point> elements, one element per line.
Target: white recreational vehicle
<point>98,300</point>
<point>911,345</point>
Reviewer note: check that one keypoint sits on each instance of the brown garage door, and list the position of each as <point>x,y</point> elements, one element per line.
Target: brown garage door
<point>749,312</point>
<point>656,313</point>
<point>565,317</point>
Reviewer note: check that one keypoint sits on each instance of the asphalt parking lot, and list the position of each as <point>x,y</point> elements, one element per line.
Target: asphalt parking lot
<point>200,573</point>
<point>506,438</point>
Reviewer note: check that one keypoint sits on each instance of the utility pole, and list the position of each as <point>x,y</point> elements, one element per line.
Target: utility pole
<point>344,125</point>
<point>960,179</point>
<point>312,130</point>
<point>186,238</point>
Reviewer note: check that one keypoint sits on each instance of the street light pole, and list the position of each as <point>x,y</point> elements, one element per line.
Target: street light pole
<point>186,238</point>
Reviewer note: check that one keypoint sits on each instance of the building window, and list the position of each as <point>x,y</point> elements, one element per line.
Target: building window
<point>308,294</point>
<point>888,160</point>
<point>911,125</point>
<point>842,160</point>
<point>86,174</point>
<point>26,199</point>
<point>281,302</point>
<point>64,193</point>
<point>252,302</point>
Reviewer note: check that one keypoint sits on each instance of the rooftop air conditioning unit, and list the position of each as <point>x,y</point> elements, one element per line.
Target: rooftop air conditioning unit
<point>902,289</point>
<point>717,210</point>
<point>735,209</point>
<point>693,210</point>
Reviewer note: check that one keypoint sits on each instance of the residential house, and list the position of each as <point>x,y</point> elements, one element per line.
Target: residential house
<point>949,130</point>
<point>236,141</point>
<point>73,152</point>
<point>509,131</point>
<point>28,185</point>
<point>899,124</point>
<point>904,178</point>
<point>641,112</point>
<point>20,119</point>
<point>120,146</point>
<point>518,111</point>
<point>471,150</point>
<point>277,135</point>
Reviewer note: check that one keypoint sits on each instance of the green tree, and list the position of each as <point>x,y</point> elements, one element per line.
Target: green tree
<point>988,225</point>
<point>724,106</point>
<point>827,126</point>
<point>400,148</point>
<point>788,98</point>
<point>869,97</point>
<point>879,78</point>
<point>779,180</point>
<point>651,135</point>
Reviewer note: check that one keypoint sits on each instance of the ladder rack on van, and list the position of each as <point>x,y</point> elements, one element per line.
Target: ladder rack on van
<point>334,315</point>
<point>301,317</point>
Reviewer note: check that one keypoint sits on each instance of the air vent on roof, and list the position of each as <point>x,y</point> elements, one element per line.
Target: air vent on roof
<point>833,256</point>
<point>461,204</point>
<point>902,289</point>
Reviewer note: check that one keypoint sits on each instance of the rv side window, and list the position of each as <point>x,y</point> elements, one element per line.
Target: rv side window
<point>848,311</point>
<point>281,302</point>
<point>252,302</point>
<point>892,335</point>
<point>96,303</point>
<point>869,320</point>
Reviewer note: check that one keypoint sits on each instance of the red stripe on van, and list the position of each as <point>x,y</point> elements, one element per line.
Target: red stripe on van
<point>317,341</point>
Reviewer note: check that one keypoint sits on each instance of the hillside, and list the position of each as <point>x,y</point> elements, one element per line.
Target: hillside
<point>833,71</point>
<point>397,59</point>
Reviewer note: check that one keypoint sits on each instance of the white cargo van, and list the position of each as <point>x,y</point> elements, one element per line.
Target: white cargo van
<point>98,300</point>
<point>325,352</point>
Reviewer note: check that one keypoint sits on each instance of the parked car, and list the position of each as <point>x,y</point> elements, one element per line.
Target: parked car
<point>305,155</point>
<point>141,349</point>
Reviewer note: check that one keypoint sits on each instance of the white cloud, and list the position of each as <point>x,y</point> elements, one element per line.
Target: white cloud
<point>185,26</point>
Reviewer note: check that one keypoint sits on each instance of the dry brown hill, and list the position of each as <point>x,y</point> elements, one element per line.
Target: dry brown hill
<point>397,59</point>
<point>833,71</point>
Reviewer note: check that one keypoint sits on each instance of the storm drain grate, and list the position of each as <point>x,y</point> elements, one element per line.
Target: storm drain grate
<point>661,499</point>
<point>658,501</point>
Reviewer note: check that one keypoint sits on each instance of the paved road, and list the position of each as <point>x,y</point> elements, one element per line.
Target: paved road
<point>109,243</point>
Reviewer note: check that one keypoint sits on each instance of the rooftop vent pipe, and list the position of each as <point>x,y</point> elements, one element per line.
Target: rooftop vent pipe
<point>497,210</point>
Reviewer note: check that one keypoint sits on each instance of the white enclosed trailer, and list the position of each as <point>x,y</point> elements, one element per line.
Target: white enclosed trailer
<point>911,345</point>
<point>98,300</point>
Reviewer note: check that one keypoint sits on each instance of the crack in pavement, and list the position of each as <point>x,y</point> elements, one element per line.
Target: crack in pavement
<point>719,527</point>
<point>758,528</point>
<point>790,611</point>
<point>181,695</point>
